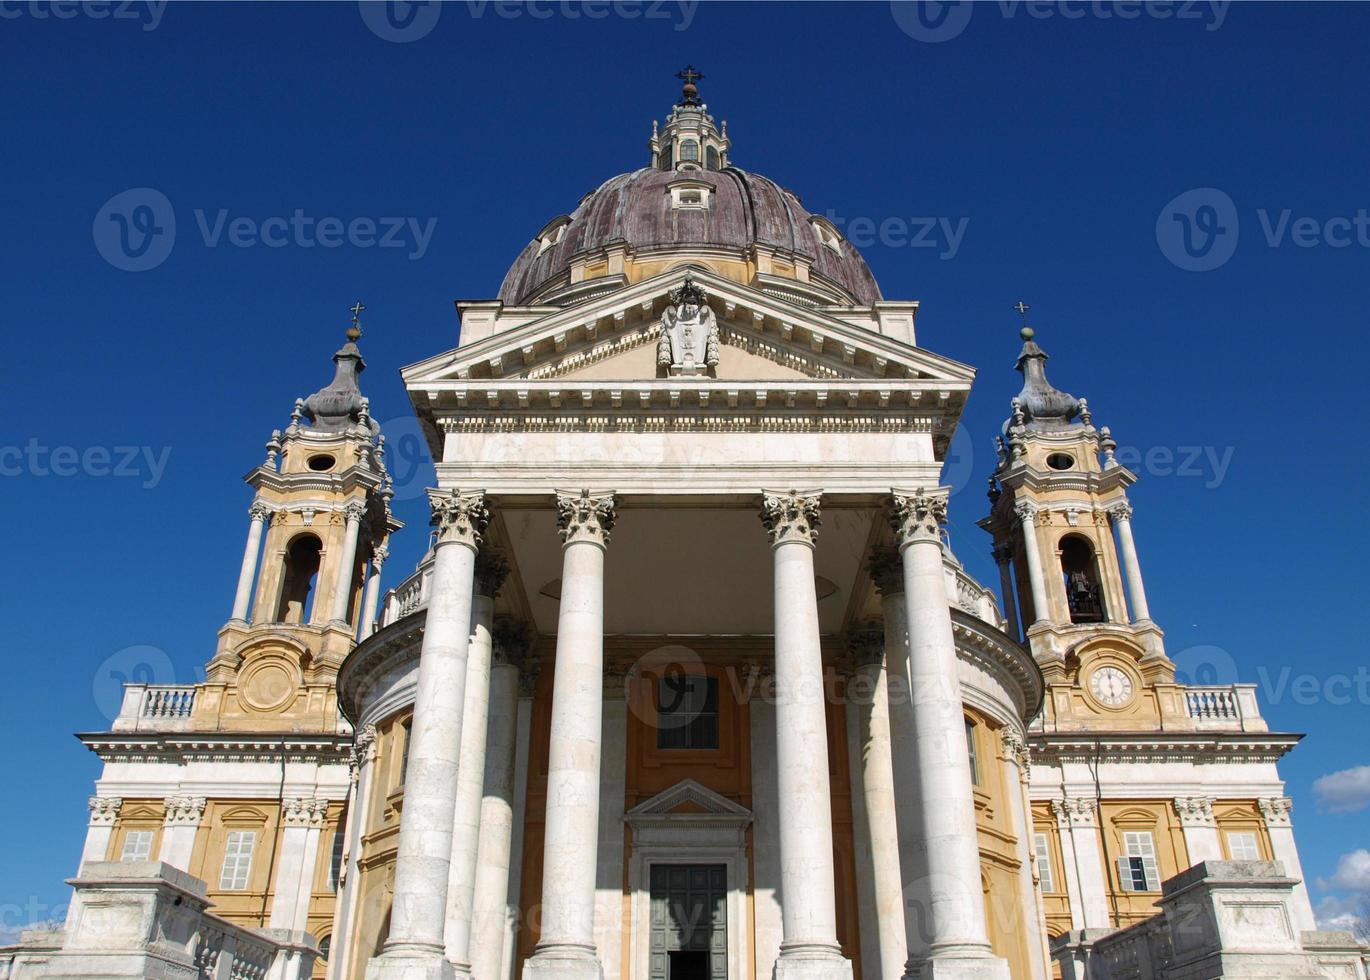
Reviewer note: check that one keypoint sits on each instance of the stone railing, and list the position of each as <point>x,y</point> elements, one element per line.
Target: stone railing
<point>1227,707</point>
<point>409,596</point>
<point>156,708</point>
<point>148,919</point>
<point>963,592</point>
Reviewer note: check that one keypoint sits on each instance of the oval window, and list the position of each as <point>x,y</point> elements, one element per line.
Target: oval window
<point>1060,461</point>
<point>321,462</point>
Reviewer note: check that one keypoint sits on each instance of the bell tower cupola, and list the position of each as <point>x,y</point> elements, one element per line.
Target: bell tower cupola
<point>1062,524</point>
<point>318,526</point>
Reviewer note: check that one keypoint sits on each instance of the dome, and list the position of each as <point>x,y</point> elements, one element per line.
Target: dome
<point>690,205</point>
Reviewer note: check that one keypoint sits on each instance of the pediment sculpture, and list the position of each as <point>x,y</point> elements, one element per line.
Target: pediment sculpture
<point>689,335</point>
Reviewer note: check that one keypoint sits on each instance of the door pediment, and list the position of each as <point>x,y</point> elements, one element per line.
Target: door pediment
<point>688,801</point>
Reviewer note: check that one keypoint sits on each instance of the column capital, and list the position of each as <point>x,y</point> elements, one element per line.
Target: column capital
<point>1194,811</point>
<point>918,516</point>
<point>1003,554</point>
<point>304,811</point>
<point>1120,511</point>
<point>528,676</point>
<point>865,642</point>
<point>1026,510</point>
<point>1079,811</point>
<point>585,516</point>
<point>791,515</point>
<point>184,811</point>
<point>1016,750</point>
<point>510,641</point>
<point>491,570</point>
<point>354,511</point>
<point>259,511</point>
<point>459,517</point>
<point>886,570</point>
<point>379,555</point>
<point>364,746</point>
<point>104,810</point>
<point>1276,810</point>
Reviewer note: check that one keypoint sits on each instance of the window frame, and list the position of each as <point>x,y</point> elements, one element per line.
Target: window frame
<point>694,733</point>
<point>1041,850</point>
<point>1247,835</point>
<point>1139,859</point>
<point>241,863</point>
<point>140,833</point>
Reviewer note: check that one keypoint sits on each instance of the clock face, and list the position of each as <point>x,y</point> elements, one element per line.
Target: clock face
<point>1111,686</point>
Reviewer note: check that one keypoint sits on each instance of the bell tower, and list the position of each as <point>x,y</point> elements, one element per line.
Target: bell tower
<point>1062,529</point>
<point>309,583</point>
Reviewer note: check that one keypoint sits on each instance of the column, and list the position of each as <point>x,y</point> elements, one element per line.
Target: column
<point>1077,820</point>
<point>182,822</point>
<point>490,905</point>
<point>358,817</point>
<point>809,949</point>
<point>415,949</point>
<point>884,944</point>
<point>1027,516</point>
<point>1121,513</point>
<point>1199,828</point>
<point>371,604</point>
<point>491,568</point>
<point>955,915</point>
<point>104,812</point>
<point>299,855</point>
<point>1030,912</point>
<point>1003,557</point>
<point>1280,826</point>
<point>566,948</point>
<point>887,572</point>
<point>260,514</point>
<point>342,578</point>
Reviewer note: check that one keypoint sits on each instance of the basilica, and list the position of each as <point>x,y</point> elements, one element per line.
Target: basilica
<point>689,684</point>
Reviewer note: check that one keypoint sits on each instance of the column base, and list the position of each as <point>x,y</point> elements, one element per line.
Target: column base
<point>959,966</point>
<point>410,963</point>
<point>811,961</point>
<point>564,961</point>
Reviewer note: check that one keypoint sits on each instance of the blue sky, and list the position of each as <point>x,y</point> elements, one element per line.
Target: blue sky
<point>1221,335</point>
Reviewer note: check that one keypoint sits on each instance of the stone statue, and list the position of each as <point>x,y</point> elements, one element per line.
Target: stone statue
<point>689,335</point>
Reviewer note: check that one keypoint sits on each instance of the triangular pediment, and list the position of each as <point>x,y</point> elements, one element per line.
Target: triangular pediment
<point>689,800</point>
<point>613,337</point>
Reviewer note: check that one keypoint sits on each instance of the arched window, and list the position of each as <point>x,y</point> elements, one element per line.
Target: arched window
<point>710,158</point>
<point>689,151</point>
<point>1081,573</point>
<point>297,584</point>
<point>667,161</point>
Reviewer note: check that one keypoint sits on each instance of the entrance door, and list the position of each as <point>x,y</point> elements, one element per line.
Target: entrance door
<point>689,922</point>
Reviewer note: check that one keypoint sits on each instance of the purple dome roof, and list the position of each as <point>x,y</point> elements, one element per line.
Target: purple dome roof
<point>636,209</point>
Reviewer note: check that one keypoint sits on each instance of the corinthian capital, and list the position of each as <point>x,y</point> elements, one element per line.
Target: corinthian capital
<point>354,511</point>
<point>887,571</point>
<point>184,811</point>
<point>918,516</point>
<point>1194,811</point>
<point>1025,510</point>
<point>304,811</point>
<point>866,644</point>
<point>491,569</point>
<point>1276,810</point>
<point>1079,811</point>
<point>104,810</point>
<point>510,641</point>
<point>459,517</point>
<point>791,516</point>
<point>585,516</point>
<point>259,511</point>
<point>1121,511</point>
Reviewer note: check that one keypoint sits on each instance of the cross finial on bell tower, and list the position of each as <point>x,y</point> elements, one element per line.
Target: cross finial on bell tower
<point>355,331</point>
<point>1022,309</point>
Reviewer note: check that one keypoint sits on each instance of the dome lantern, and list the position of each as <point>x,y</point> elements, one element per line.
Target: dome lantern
<point>690,140</point>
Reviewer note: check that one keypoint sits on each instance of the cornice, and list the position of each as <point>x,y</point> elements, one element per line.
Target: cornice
<point>1134,747</point>
<point>183,747</point>
<point>1006,657</point>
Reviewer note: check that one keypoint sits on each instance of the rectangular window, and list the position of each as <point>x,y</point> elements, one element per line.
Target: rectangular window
<point>406,736</point>
<point>1042,847</point>
<point>137,846</point>
<point>687,712</point>
<point>1138,872</point>
<point>1242,846</point>
<point>970,749</point>
<point>237,860</point>
<point>335,860</point>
